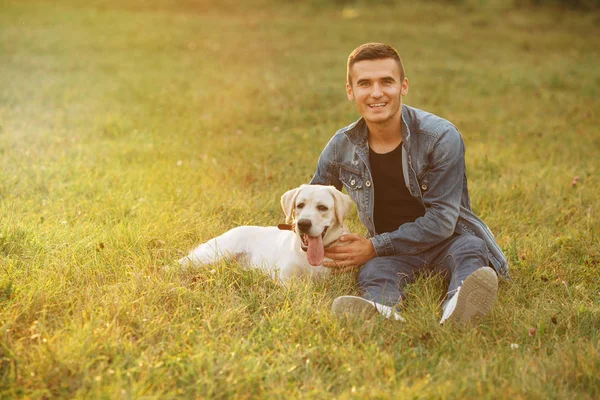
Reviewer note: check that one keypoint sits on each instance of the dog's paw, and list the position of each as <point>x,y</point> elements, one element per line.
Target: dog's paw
<point>174,266</point>
<point>185,262</point>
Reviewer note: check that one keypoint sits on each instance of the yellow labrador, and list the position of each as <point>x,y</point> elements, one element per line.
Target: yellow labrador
<point>317,215</point>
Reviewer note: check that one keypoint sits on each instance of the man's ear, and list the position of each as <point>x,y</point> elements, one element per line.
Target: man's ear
<point>349,91</point>
<point>404,89</point>
<point>343,204</point>
<point>287,203</point>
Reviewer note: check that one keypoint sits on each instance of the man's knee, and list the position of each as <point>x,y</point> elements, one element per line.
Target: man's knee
<point>376,270</point>
<point>483,250</point>
<point>469,254</point>
<point>378,281</point>
<point>367,269</point>
<point>472,243</point>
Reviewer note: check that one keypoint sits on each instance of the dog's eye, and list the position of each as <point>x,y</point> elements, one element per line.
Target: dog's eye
<point>301,205</point>
<point>322,208</point>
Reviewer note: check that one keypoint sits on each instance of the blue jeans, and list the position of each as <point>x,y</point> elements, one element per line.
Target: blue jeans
<point>383,279</point>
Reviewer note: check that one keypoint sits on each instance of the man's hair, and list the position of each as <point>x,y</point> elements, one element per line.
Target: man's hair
<point>374,51</point>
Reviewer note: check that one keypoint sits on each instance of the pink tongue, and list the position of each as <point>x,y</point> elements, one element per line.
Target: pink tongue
<point>315,252</point>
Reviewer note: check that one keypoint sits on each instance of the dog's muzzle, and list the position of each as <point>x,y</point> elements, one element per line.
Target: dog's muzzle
<point>304,238</point>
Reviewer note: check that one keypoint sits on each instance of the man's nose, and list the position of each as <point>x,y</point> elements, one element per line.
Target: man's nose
<point>376,91</point>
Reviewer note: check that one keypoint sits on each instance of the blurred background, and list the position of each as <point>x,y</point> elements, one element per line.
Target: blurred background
<point>131,131</point>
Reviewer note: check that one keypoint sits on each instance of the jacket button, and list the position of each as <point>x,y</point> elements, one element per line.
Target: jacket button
<point>424,186</point>
<point>368,183</point>
<point>352,182</point>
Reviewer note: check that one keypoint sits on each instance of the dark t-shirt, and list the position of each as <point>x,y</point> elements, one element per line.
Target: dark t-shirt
<point>394,205</point>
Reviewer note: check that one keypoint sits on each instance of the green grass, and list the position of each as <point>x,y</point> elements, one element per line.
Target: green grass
<point>132,131</point>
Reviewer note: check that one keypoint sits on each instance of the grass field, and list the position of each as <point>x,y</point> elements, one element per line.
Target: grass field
<point>132,131</point>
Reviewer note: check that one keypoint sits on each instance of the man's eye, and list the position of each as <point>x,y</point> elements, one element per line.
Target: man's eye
<point>301,205</point>
<point>322,208</point>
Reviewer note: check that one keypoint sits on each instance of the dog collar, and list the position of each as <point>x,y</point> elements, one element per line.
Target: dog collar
<point>285,227</point>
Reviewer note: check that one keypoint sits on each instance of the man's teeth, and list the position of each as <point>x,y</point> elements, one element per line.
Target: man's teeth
<point>377,105</point>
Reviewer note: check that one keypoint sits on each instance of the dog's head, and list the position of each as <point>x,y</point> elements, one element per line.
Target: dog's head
<point>317,214</point>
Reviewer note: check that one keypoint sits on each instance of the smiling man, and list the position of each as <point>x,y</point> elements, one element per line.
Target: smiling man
<point>405,170</point>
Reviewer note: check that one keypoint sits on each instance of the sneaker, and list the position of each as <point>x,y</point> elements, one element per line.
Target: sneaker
<point>473,299</point>
<point>358,307</point>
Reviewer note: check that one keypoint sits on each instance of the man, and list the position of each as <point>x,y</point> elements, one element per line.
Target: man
<point>405,170</point>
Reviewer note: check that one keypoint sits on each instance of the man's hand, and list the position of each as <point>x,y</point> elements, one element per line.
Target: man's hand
<point>358,251</point>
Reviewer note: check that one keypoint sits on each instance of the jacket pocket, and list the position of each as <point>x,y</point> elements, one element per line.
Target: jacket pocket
<point>351,180</point>
<point>354,184</point>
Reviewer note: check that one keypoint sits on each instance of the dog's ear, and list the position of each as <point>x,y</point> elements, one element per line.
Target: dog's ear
<point>343,204</point>
<point>287,203</point>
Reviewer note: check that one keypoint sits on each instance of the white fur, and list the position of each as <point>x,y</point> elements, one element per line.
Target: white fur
<point>276,251</point>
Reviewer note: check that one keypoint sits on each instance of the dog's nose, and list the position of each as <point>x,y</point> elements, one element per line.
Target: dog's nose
<point>304,225</point>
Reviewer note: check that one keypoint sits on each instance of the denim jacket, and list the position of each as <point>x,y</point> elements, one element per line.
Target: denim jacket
<point>434,173</point>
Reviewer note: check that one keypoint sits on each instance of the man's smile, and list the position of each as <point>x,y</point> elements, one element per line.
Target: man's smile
<point>377,105</point>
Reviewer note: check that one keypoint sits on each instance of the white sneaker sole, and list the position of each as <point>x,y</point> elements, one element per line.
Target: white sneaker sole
<point>354,306</point>
<point>476,297</point>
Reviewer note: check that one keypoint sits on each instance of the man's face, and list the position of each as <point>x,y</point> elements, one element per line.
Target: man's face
<point>377,89</point>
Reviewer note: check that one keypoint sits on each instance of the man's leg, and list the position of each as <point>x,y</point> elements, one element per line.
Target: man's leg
<point>382,281</point>
<point>473,284</point>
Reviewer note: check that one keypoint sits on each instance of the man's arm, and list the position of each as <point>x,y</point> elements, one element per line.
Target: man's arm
<point>324,175</point>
